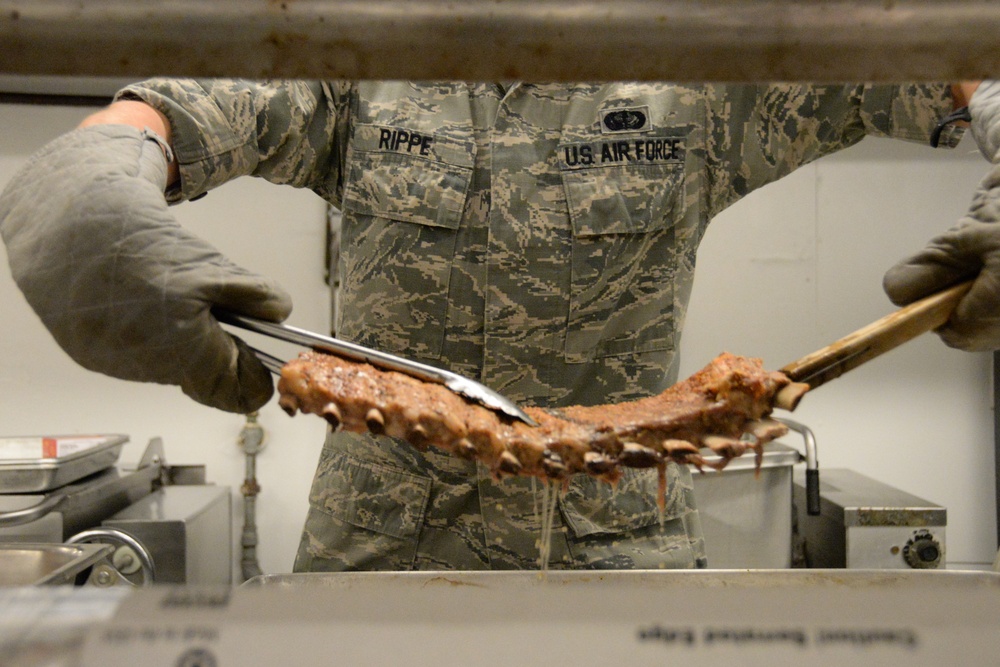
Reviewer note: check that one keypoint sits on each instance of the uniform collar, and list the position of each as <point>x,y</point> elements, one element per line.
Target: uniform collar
<point>506,87</point>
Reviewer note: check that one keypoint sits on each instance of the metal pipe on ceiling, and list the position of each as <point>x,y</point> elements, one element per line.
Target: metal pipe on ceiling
<point>550,40</point>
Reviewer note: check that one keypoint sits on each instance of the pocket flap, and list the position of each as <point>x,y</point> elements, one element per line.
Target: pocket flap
<point>593,507</point>
<point>370,495</point>
<point>623,186</point>
<point>426,187</point>
<point>619,200</point>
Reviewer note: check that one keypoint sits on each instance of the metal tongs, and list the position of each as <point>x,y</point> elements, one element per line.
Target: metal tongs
<point>457,383</point>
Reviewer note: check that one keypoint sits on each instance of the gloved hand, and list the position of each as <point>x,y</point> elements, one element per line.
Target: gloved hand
<point>984,107</point>
<point>971,249</point>
<point>122,287</point>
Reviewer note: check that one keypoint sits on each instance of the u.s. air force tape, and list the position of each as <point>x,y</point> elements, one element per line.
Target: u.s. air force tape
<point>616,152</point>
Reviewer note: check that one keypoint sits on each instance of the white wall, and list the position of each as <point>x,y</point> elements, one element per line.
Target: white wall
<point>782,273</point>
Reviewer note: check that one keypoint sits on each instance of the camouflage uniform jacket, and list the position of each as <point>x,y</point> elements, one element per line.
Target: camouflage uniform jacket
<point>538,238</point>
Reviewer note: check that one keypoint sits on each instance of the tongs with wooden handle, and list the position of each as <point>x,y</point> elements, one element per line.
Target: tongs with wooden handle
<point>855,349</point>
<point>867,343</point>
<point>457,383</point>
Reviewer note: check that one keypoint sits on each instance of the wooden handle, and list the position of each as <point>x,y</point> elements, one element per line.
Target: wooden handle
<point>878,337</point>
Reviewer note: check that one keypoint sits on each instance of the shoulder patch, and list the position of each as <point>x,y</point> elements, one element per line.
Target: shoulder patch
<point>628,119</point>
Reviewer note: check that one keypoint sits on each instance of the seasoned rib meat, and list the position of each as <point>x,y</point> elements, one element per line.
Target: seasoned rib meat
<point>723,408</point>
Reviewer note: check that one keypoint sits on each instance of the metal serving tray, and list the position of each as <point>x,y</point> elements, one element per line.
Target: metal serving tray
<point>34,474</point>
<point>47,564</point>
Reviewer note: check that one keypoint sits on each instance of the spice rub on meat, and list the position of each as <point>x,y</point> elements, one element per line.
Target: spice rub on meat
<point>723,408</point>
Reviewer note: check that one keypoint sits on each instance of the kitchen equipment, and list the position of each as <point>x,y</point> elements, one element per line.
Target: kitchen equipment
<point>746,514</point>
<point>185,529</point>
<point>866,343</point>
<point>47,564</point>
<point>159,522</point>
<point>866,524</point>
<point>54,514</point>
<point>41,463</point>
<point>455,382</point>
<point>128,563</point>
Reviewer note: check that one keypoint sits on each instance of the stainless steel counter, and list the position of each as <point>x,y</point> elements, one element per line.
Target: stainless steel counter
<point>772,617</point>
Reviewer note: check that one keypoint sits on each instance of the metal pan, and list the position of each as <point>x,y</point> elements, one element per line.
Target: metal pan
<point>35,474</point>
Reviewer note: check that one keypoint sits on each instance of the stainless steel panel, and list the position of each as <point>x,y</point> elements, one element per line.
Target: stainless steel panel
<point>884,547</point>
<point>82,504</point>
<point>186,530</point>
<point>633,582</point>
<point>48,528</point>
<point>746,515</point>
<point>56,515</point>
<point>694,618</point>
<point>46,564</point>
<point>541,40</point>
<point>858,500</point>
<point>866,524</point>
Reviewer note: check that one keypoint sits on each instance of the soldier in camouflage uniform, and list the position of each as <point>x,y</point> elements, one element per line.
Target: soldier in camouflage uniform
<point>539,238</point>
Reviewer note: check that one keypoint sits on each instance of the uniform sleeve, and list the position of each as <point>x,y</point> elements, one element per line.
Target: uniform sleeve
<point>287,132</point>
<point>758,134</point>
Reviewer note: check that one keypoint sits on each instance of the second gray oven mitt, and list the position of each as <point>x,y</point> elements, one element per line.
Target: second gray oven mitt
<point>970,249</point>
<point>122,287</point>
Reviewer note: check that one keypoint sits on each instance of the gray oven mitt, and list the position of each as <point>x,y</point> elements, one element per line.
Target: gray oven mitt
<point>122,287</point>
<point>970,249</point>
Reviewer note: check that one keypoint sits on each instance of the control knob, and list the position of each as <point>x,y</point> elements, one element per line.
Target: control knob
<point>923,551</point>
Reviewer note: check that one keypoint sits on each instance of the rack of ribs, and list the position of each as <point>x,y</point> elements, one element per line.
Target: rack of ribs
<point>723,408</point>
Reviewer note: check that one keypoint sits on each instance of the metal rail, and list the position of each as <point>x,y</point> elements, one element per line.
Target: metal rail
<point>564,40</point>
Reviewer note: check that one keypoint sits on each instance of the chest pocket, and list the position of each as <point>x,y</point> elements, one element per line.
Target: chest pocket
<point>622,196</point>
<point>403,201</point>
